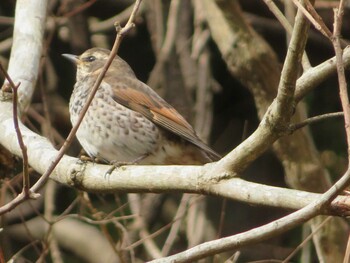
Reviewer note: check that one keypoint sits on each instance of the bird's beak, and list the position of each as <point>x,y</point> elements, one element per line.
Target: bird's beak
<point>72,58</point>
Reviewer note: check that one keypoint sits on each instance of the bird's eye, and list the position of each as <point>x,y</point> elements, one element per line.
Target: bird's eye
<point>89,58</point>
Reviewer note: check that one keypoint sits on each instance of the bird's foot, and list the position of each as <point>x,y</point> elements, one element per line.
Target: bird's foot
<point>117,164</point>
<point>85,158</point>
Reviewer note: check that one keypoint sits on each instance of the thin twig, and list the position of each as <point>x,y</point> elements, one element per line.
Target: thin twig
<point>307,239</point>
<point>344,97</point>
<point>347,252</point>
<point>312,120</point>
<point>177,224</point>
<point>79,9</point>
<point>168,43</point>
<point>314,18</point>
<point>314,77</point>
<point>156,233</point>
<point>288,27</point>
<point>105,25</point>
<point>26,181</point>
<point>6,21</point>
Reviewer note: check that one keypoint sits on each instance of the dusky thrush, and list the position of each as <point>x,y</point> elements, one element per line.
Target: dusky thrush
<point>127,121</point>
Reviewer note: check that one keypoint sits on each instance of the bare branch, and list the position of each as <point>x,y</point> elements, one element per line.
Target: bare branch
<point>24,65</point>
<point>294,127</point>
<point>315,76</point>
<point>26,182</point>
<point>344,97</point>
<point>262,233</point>
<point>287,26</point>
<point>314,18</point>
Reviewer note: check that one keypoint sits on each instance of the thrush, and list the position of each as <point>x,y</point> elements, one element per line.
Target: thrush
<point>128,121</point>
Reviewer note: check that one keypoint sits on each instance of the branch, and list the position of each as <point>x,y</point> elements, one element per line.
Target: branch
<point>106,25</point>
<point>26,183</point>
<point>297,126</point>
<point>262,233</point>
<point>144,179</point>
<point>290,70</point>
<point>193,179</point>
<point>313,17</point>
<point>24,65</point>
<point>168,42</point>
<point>344,97</point>
<point>287,26</point>
<point>315,76</point>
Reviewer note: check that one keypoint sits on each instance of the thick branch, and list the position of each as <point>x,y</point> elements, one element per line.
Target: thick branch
<point>315,76</point>
<point>26,49</point>
<point>195,179</point>
<point>259,234</point>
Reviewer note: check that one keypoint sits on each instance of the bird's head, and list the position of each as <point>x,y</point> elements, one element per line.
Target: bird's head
<point>92,61</point>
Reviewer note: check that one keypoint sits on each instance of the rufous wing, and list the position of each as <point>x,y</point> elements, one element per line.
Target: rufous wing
<point>144,100</point>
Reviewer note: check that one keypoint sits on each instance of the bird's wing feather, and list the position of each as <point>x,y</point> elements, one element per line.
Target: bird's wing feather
<point>144,100</point>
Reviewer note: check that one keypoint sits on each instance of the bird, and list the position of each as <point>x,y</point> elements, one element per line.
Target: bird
<point>127,121</point>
